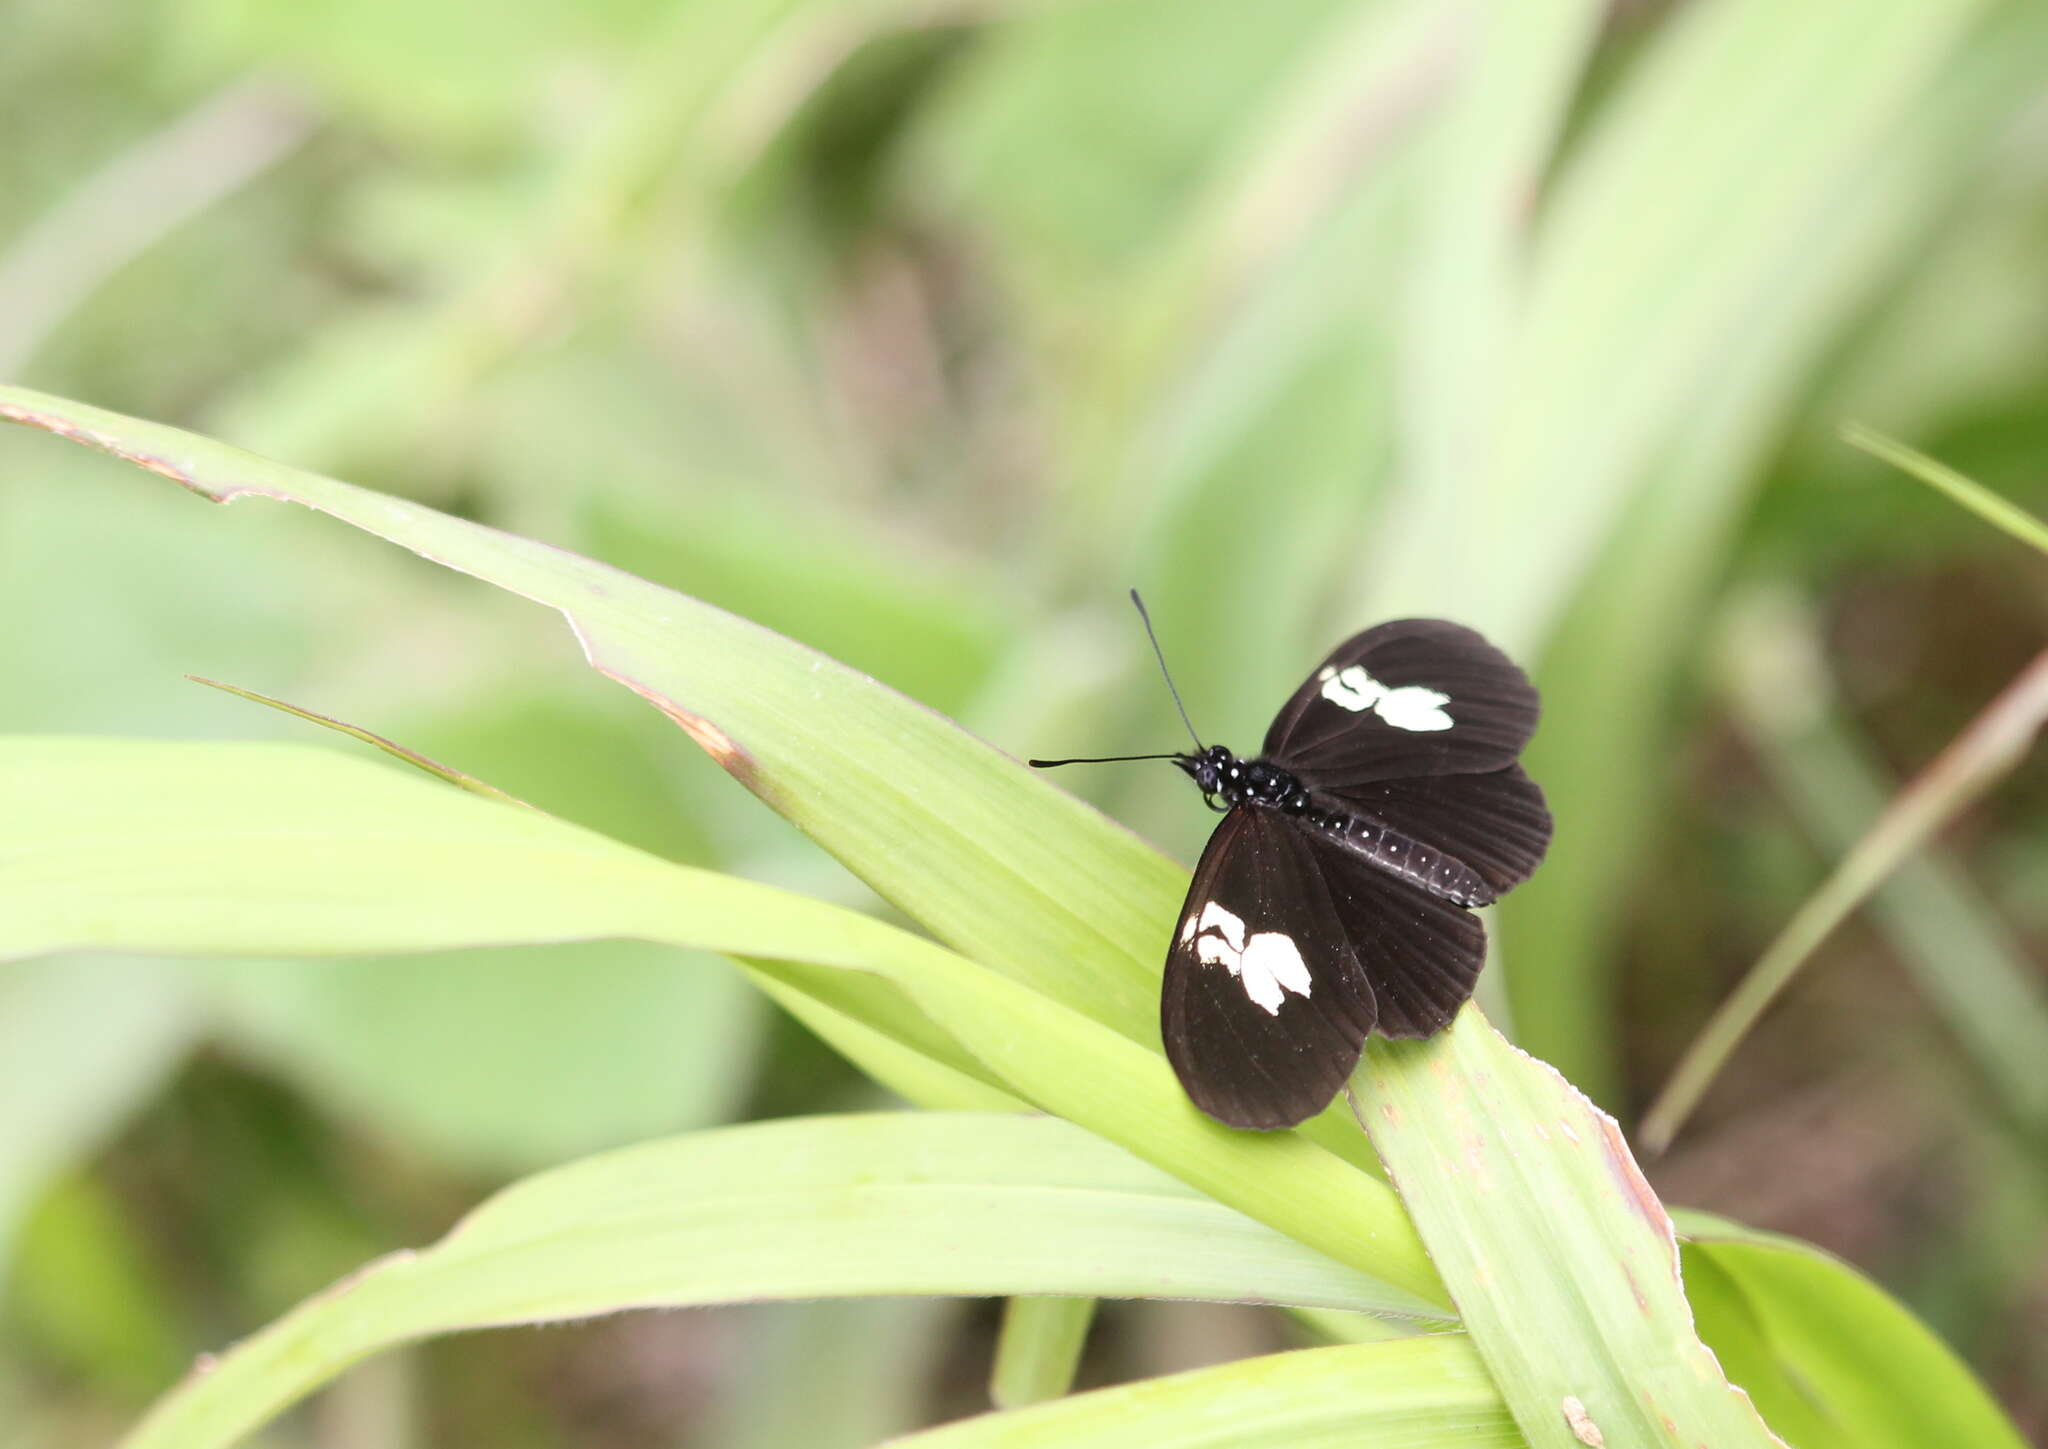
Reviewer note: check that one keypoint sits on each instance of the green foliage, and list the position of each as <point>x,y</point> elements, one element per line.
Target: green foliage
<point>925,1203</point>
<point>183,848</point>
<point>913,334</point>
<point>1423,1393</point>
<point>1795,1326</point>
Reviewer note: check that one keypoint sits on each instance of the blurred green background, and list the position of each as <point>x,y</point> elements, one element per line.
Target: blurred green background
<point>920,330</point>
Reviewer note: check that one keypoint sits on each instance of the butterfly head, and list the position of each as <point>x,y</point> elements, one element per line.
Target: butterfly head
<point>1225,780</point>
<point>1215,770</point>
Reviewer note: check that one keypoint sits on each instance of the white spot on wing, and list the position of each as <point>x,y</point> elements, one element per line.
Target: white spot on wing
<point>1268,965</point>
<point>1353,689</point>
<point>1270,968</point>
<point>1410,707</point>
<point>1215,918</point>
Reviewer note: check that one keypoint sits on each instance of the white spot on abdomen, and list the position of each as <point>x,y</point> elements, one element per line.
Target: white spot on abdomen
<point>1410,707</point>
<point>1268,965</point>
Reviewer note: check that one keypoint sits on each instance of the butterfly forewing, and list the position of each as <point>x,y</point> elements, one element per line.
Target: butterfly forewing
<point>1264,1007</point>
<point>1406,698</point>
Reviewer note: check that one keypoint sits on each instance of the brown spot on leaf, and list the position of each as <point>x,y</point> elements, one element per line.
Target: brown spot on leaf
<point>1623,1162</point>
<point>64,428</point>
<point>714,741</point>
<point>1581,1424</point>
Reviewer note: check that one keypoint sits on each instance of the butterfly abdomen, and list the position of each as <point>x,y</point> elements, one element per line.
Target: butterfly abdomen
<point>1264,784</point>
<point>1397,854</point>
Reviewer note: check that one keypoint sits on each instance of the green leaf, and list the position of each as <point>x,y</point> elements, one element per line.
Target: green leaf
<point>1561,1260</point>
<point>813,576</point>
<point>989,857</point>
<point>1039,1349</point>
<point>612,1042</point>
<point>922,1203</point>
<point>1830,1358</point>
<point>995,861</point>
<point>275,850</point>
<point>1417,1393</point>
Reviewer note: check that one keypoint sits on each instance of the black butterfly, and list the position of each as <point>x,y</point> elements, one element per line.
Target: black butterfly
<point>1333,899</point>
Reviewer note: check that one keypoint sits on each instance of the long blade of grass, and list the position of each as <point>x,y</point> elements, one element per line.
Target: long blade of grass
<point>993,859</point>
<point>390,747</point>
<point>1950,940</point>
<point>1562,1262</point>
<point>1419,1393</point>
<point>920,741</point>
<point>990,857</point>
<point>1039,1349</point>
<point>1992,744</point>
<point>2000,513</point>
<point>272,850</point>
<point>903,1203</point>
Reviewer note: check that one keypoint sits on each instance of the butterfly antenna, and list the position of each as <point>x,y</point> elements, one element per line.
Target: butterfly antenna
<point>1160,655</point>
<point>1097,760</point>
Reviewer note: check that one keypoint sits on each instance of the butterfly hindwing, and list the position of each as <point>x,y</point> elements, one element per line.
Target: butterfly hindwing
<point>1406,698</point>
<point>1418,953</point>
<point>1496,824</point>
<point>1264,1007</point>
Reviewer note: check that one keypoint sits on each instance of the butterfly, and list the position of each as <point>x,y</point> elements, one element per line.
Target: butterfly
<point>1335,897</point>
